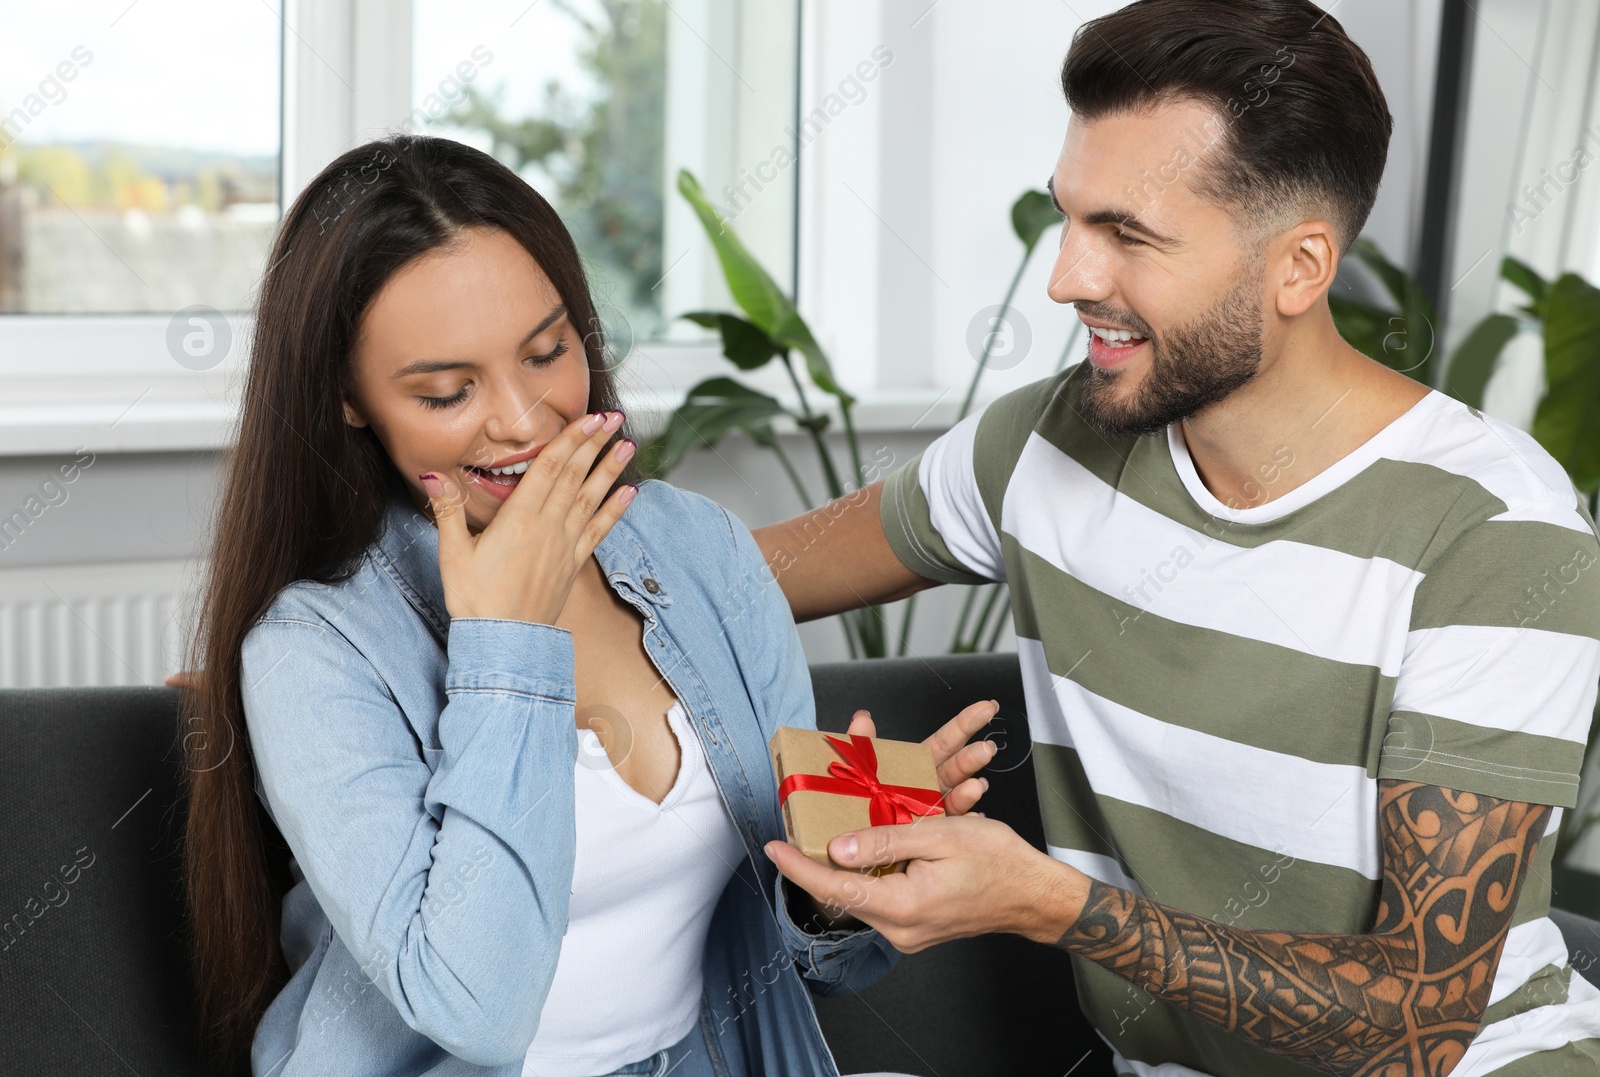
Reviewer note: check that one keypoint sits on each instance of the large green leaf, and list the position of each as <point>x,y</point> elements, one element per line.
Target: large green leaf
<point>1566,423</point>
<point>1032,215</point>
<point>1362,325</point>
<point>1475,358</point>
<point>1407,337</point>
<point>757,294</point>
<point>796,334</point>
<point>1392,277</point>
<point>745,344</point>
<point>712,409</point>
<point>1526,278</point>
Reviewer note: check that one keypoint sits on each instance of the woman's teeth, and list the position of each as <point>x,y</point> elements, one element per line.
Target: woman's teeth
<point>1117,338</point>
<point>499,476</point>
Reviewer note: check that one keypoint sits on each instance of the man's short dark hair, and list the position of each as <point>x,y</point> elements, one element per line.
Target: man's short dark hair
<point>1304,126</point>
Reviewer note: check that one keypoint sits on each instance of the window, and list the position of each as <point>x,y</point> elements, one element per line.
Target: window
<point>128,181</point>
<point>598,104</point>
<point>156,144</point>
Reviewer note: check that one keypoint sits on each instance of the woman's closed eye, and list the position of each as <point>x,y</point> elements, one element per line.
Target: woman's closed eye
<point>445,401</point>
<point>461,394</point>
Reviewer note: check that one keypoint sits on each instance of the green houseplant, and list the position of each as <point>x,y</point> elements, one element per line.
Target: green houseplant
<point>769,329</point>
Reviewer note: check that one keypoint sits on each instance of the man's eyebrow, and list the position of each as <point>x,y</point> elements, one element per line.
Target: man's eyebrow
<point>1110,216</point>
<point>1126,220</point>
<point>431,366</point>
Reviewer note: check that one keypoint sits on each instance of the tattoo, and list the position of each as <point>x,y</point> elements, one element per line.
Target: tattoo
<point>1406,998</point>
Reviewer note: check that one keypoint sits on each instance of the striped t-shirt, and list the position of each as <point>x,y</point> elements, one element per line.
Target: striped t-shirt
<point>1214,691</point>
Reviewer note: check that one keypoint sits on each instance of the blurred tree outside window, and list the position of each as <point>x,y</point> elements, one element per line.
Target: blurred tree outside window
<point>582,120</point>
<point>588,99</point>
<point>139,155</point>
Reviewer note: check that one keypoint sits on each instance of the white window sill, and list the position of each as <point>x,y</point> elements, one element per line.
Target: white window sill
<point>133,416</point>
<point>110,383</point>
<point>62,423</point>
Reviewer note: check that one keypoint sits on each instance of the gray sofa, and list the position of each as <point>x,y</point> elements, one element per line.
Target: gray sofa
<point>92,975</point>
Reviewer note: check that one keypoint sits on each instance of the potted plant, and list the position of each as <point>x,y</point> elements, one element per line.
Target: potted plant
<point>769,329</point>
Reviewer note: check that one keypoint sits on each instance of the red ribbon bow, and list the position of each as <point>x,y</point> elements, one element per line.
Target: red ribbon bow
<point>857,776</point>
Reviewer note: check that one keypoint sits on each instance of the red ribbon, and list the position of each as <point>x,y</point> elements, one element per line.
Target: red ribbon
<point>857,776</point>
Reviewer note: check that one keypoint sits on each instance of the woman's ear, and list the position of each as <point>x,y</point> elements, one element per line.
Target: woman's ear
<point>352,416</point>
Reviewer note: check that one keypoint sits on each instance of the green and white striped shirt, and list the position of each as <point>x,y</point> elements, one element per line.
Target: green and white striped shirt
<point>1214,691</point>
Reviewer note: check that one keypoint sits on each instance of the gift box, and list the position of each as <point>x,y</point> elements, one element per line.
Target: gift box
<point>829,784</point>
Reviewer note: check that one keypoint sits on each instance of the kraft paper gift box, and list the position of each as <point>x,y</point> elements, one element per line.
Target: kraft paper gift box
<point>831,783</point>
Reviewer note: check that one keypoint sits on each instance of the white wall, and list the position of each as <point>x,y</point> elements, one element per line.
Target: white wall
<point>919,186</point>
<point>917,182</point>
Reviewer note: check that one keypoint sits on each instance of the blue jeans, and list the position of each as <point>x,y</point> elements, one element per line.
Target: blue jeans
<point>686,1058</point>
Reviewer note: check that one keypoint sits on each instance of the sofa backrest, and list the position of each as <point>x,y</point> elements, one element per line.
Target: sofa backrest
<point>994,1006</point>
<point>93,970</point>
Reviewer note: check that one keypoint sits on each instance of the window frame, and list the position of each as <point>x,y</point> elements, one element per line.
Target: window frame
<point>107,381</point>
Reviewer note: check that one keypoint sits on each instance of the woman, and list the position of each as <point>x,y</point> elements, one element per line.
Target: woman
<point>503,705</point>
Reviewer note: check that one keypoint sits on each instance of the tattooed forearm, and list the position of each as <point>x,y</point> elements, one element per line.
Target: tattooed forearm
<point>1406,998</point>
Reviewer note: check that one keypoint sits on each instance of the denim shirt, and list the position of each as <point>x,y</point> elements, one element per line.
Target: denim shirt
<point>421,770</point>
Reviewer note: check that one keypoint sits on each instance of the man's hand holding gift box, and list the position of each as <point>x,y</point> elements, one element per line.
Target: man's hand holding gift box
<point>829,784</point>
<point>944,875</point>
<point>856,805</point>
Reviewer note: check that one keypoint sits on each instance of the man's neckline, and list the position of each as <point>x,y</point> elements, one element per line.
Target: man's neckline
<point>1323,483</point>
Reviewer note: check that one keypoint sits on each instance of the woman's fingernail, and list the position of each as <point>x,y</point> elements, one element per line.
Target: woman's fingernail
<point>625,495</point>
<point>592,423</point>
<point>625,448</point>
<point>768,850</point>
<point>994,749</point>
<point>613,421</point>
<point>847,847</point>
<point>985,782</point>
<point>431,483</point>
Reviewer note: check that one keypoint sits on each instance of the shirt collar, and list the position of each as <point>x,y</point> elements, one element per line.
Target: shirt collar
<point>408,548</point>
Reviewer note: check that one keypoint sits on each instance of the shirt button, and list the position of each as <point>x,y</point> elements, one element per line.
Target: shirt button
<point>651,585</point>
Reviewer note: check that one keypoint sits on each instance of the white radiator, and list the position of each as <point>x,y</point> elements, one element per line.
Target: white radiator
<point>98,624</point>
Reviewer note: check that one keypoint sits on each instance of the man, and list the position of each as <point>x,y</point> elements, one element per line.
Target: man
<point>1310,651</point>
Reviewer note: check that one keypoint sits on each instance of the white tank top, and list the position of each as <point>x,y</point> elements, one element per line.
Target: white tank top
<point>644,883</point>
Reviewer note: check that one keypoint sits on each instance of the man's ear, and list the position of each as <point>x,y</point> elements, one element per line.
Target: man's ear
<point>352,416</point>
<point>1305,259</point>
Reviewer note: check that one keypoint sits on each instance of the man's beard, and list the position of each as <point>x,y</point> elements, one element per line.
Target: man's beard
<point>1195,366</point>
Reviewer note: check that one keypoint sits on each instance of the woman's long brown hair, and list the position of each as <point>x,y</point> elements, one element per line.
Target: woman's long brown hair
<point>302,497</point>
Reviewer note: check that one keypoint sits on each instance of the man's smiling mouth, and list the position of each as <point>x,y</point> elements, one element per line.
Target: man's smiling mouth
<point>1117,338</point>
